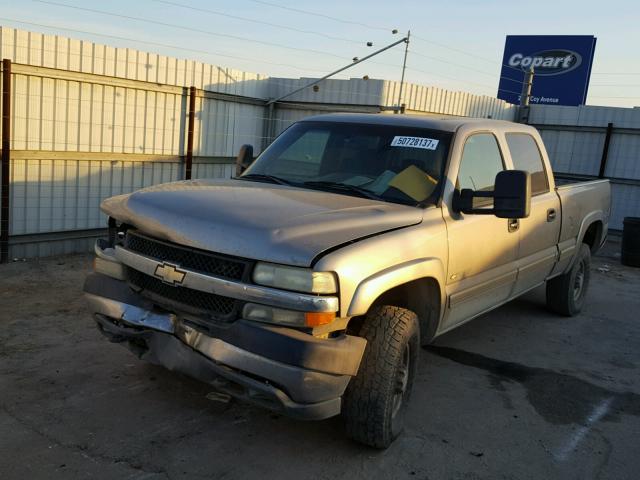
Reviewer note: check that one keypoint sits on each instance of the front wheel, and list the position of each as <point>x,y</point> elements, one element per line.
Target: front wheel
<point>566,293</point>
<point>375,401</point>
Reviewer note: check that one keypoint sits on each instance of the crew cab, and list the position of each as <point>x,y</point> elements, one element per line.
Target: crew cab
<point>308,283</point>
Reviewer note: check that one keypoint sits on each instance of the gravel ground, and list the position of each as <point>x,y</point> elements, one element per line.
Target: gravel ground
<point>517,393</point>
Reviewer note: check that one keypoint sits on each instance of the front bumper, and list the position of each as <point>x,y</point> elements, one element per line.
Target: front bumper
<point>275,367</point>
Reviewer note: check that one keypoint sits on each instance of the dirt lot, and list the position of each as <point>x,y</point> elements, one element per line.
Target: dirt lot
<point>517,393</point>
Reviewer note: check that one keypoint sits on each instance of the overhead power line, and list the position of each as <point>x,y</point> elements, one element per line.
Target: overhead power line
<point>341,20</point>
<point>260,22</point>
<point>448,62</point>
<point>157,44</point>
<point>452,78</point>
<point>457,50</point>
<point>190,29</point>
<point>322,15</point>
<point>278,45</point>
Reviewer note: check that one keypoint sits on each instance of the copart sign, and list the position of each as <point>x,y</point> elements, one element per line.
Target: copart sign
<point>561,68</point>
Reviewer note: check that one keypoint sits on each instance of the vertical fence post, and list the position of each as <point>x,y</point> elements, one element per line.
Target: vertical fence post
<point>190,126</point>
<point>605,150</point>
<point>6,155</point>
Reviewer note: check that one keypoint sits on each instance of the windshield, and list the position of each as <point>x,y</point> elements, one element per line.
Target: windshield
<point>386,162</point>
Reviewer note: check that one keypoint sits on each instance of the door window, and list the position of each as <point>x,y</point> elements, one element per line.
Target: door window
<point>526,156</point>
<point>481,161</point>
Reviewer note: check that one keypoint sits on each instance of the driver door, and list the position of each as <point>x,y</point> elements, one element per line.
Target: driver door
<point>482,248</point>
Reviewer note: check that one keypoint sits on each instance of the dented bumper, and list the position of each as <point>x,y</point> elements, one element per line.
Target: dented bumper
<point>275,367</point>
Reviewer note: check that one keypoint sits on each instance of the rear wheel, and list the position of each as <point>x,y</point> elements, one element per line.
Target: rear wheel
<point>566,293</point>
<point>375,402</point>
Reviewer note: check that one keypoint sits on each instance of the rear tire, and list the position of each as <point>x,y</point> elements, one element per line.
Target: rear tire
<point>375,401</point>
<point>566,293</point>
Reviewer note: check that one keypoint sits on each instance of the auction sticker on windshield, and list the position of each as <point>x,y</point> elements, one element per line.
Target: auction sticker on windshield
<point>415,142</point>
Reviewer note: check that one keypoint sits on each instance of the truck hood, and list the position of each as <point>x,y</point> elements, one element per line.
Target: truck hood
<point>261,221</point>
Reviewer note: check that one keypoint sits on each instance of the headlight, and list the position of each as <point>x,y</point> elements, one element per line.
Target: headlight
<point>294,278</point>
<point>264,313</point>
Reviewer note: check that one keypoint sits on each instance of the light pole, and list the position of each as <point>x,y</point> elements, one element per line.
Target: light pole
<point>271,103</point>
<point>404,66</point>
<point>342,69</point>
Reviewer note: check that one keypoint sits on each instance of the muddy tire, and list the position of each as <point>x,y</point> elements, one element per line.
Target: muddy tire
<point>566,293</point>
<point>375,401</point>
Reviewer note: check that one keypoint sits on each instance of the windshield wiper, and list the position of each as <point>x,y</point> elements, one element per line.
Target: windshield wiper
<point>263,176</point>
<point>363,192</point>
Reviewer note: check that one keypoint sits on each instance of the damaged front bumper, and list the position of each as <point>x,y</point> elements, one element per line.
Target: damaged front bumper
<point>279,368</point>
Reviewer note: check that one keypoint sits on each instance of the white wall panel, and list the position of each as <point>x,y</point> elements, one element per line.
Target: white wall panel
<point>63,115</point>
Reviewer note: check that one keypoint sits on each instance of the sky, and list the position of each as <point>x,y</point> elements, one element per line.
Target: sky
<point>456,45</point>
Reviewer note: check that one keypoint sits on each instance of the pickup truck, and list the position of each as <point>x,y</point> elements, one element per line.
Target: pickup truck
<point>308,283</point>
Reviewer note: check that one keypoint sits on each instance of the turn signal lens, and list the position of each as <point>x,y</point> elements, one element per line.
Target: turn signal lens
<point>265,313</point>
<point>317,319</point>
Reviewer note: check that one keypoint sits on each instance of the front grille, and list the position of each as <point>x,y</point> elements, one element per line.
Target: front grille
<point>210,263</point>
<point>185,299</point>
<point>203,304</point>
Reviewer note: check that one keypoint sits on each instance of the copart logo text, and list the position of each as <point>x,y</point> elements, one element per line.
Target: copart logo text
<point>547,62</point>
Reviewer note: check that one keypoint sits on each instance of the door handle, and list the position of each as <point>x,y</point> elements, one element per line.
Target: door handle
<point>514,224</point>
<point>551,215</point>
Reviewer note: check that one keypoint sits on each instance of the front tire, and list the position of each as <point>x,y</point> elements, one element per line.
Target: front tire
<point>375,401</point>
<point>566,293</point>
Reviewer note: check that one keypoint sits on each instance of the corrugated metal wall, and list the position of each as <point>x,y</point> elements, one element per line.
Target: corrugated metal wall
<point>574,138</point>
<point>421,98</point>
<point>82,116</point>
<point>417,98</point>
<point>54,51</point>
<point>90,121</point>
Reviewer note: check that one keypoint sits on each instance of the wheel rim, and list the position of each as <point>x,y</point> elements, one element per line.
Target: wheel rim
<point>578,283</point>
<point>401,380</point>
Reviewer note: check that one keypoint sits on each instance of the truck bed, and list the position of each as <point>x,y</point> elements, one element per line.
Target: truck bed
<point>581,200</point>
<point>562,179</point>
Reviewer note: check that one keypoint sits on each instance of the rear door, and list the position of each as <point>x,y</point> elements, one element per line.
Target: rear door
<point>539,233</point>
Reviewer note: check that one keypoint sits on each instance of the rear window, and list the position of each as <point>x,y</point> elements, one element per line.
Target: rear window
<point>526,156</point>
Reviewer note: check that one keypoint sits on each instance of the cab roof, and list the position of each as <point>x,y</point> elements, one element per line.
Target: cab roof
<point>447,124</point>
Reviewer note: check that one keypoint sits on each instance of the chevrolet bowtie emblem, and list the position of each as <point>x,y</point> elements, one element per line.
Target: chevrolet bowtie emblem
<point>170,274</point>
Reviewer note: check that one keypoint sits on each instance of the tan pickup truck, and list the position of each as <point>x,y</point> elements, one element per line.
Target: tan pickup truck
<point>308,283</point>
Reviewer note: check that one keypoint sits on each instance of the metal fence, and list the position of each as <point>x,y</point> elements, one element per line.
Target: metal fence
<point>595,142</point>
<point>88,121</point>
<point>76,139</point>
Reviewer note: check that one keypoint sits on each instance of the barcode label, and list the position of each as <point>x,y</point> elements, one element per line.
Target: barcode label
<point>415,142</point>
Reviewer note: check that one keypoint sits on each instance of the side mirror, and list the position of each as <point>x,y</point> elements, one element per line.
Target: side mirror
<point>511,196</point>
<point>244,159</point>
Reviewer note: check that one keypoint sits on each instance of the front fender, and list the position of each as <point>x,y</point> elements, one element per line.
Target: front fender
<point>375,285</point>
